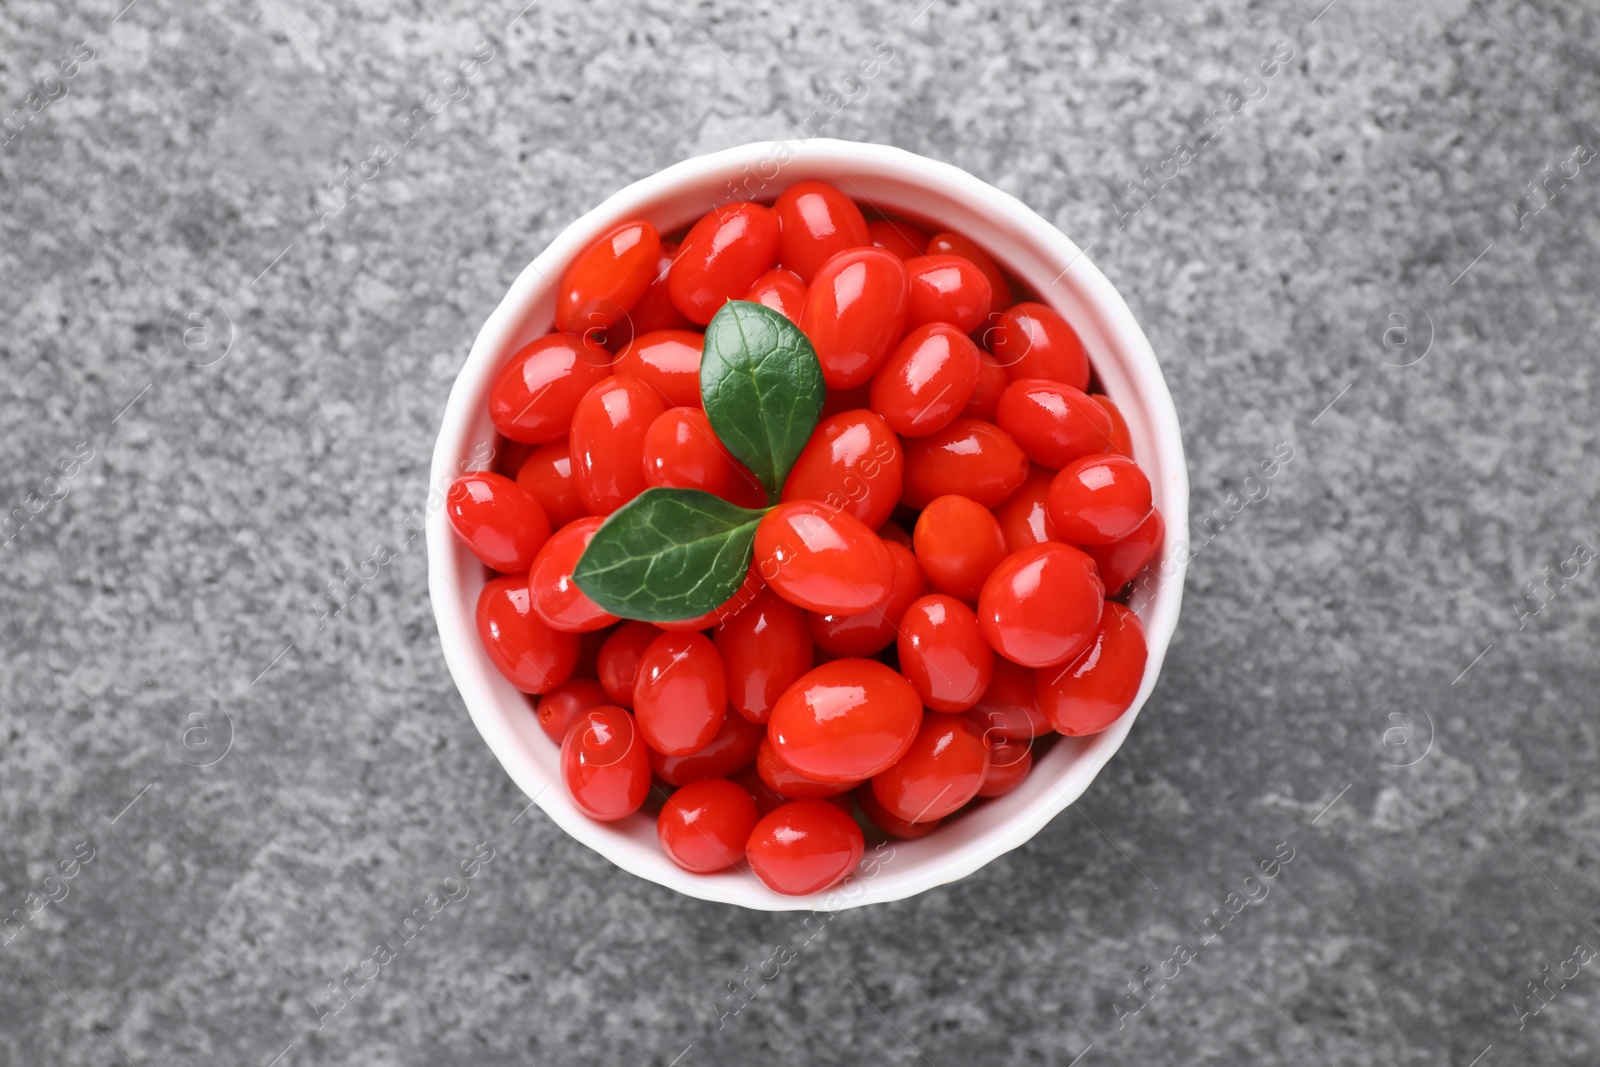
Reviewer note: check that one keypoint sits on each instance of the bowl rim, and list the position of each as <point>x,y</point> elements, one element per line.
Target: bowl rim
<point>476,678</point>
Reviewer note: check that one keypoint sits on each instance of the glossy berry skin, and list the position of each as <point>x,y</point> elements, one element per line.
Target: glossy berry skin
<point>747,592</point>
<point>1041,606</point>
<point>974,459</point>
<point>1025,517</point>
<point>815,223</point>
<point>804,847</point>
<point>1009,764</point>
<point>954,244</point>
<point>992,381</point>
<point>654,310</point>
<point>608,277</point>
<point>1009,708</point>
<point>845,721</point>
<point>1099,499</point>
<point>617,664</point>
<point>855,311</point>
<point>789,783</point>
<point>1033,341</point>
<point>765,647</point>
<point>703,826</point>
<point>608,431</point>
<point>853,463</point>
<point>680,696</point>
<point>682,452</point>
<point>669,361</point>
<point>534,395</point>
<point>604,765</point>
<point>927,380</point>
<point>1053,423</point>
<point>942,770</point>
<point>499,521</point>
<point>547,476</point>
<point>734,746</point>
<point>822,560</point>
<point>530,655</point>
<point>1094,690</point>
<point>887,821</point>
<point>898,236</point>
<point>721,258</point>
<point>768,799</point>
<point>958,544</point>
<point>563,705</point>
<point>869,632</point>
<point>556,597</point>
<point>949,289</point>
<point>782,291</point>
<point>943,654</point>
<point>1121,561</point>
<point>1121,439</point>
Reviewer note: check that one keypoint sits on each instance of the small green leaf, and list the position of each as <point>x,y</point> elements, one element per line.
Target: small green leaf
<point>668,554</point>
<point>762,387</point>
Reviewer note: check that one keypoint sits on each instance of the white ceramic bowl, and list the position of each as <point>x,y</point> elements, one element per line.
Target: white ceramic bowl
<point>902,184</point>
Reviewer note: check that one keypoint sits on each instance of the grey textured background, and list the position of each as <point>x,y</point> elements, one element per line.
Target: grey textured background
<point>179,576</point>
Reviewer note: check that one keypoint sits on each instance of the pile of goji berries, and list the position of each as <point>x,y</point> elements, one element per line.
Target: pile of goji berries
<point>927,601</point>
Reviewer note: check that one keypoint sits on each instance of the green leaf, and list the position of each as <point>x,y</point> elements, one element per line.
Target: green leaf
<point>762,387</point>
<point>668,554</point>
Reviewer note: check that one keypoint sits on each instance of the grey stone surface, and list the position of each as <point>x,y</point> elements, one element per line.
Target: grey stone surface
<point>173,586</point>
